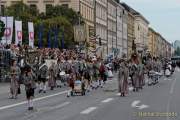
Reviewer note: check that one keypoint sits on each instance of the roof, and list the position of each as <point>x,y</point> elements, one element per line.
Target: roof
<point>134,12</point>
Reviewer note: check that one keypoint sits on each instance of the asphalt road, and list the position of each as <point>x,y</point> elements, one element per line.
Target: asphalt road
<point>151,103</point>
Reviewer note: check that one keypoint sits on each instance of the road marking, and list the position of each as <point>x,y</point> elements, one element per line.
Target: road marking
<point>135,103</point>
<point>107,100</point>
<point>172,86</point>
<point>61,105</point>
<point>142,107</point>
<point>118,94</point>
<point>37,99</point>
<point>89,110</point>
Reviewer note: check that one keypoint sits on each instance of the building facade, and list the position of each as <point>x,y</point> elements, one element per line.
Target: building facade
<point>152,42</point>
<point>120,30</point>
<point>130,28</point>
<point>101,25</point>
<point>125,32</point>
<point>141,32</point>
<point>112,27</point>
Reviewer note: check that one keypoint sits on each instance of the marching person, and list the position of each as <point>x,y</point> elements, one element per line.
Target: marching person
<point>30,86</point>
<point>43,72</point>
<point>123,78</point>
<point>15,71</point>
<point>51,79</point>
<point>135,74</point>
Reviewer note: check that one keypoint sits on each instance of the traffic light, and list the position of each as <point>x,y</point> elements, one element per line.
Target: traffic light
<point>100,42</point>
<point>2,29</point>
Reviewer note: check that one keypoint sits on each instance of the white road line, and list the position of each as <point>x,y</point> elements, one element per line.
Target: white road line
<point>118,94</point>
<point>172,86</point>
<point>61,105</point>
<point>89,110</point>
<point>107,100</point>
<point>37,99</point>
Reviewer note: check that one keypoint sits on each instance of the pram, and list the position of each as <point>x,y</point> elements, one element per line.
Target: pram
<point>153,77</point>
<point>79,88</point>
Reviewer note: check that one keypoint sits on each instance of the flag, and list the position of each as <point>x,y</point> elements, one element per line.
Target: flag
<point>31,34</point>
<point>18,32</point>
<point>7,38</point>
<point>56,43</point>
<point>62,41</point>
<point>40,36</point>
<point>49,38</point>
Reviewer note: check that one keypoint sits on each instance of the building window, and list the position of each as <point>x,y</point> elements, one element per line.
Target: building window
<point>33,6</point>
<point>65,5</point>
<point>48,9</point>
<point>2,9</point>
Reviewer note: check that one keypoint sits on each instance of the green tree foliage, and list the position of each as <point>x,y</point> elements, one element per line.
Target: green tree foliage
<point>60,16</point>
<point>177,51</point>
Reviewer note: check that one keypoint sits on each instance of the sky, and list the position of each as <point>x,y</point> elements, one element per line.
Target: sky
<point>163,15</point>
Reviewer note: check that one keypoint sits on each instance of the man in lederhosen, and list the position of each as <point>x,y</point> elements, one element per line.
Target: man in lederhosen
<point>43,73</point>
<point>30,86</point>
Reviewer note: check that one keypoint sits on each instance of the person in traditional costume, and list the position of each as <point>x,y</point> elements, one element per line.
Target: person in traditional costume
<point>43,74</point>
<point>51,73</point>
<point>123,76</point>
<point>30,86</point>
<point>15,72</point>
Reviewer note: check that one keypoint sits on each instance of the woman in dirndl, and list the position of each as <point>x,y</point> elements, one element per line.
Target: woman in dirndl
<point>15,71</point>
<point>123,78</point>
<point>30,86</point>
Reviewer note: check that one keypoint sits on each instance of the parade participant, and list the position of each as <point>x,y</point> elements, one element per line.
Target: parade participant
<point>51,73</point>
<point>123,78</point>
<point>15,71</point>
<point>134,70</point>
<point>141,75</point>
<point>29,87</point>
<point>43,72</point>
<point>102,73</point>
<point>168,70</point>
<point>86,76</point>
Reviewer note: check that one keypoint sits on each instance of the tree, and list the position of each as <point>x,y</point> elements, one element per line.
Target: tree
<point>177,51</point>
<point>56,16</point>
<point>22,12</point>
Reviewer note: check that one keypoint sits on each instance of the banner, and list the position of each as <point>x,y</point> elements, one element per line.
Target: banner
<point>79,33</point>
<point>18,32</point>
<point>40,35</point>
<point>7,38</point>
<point>31,34</point>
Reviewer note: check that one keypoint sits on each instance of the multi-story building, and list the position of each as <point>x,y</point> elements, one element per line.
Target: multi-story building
<point>125,32</point>
<point>101,25</point>
<point>120,29</point>
<point>152,42</point>
<point>141,32</point>
<point>130,28</point>
<point>112,27</point>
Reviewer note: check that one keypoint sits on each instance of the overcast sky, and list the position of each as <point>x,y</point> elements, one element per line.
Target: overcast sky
<point>163,15</point>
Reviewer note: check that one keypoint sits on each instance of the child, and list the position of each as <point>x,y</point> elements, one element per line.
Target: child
<point>29,87</point>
